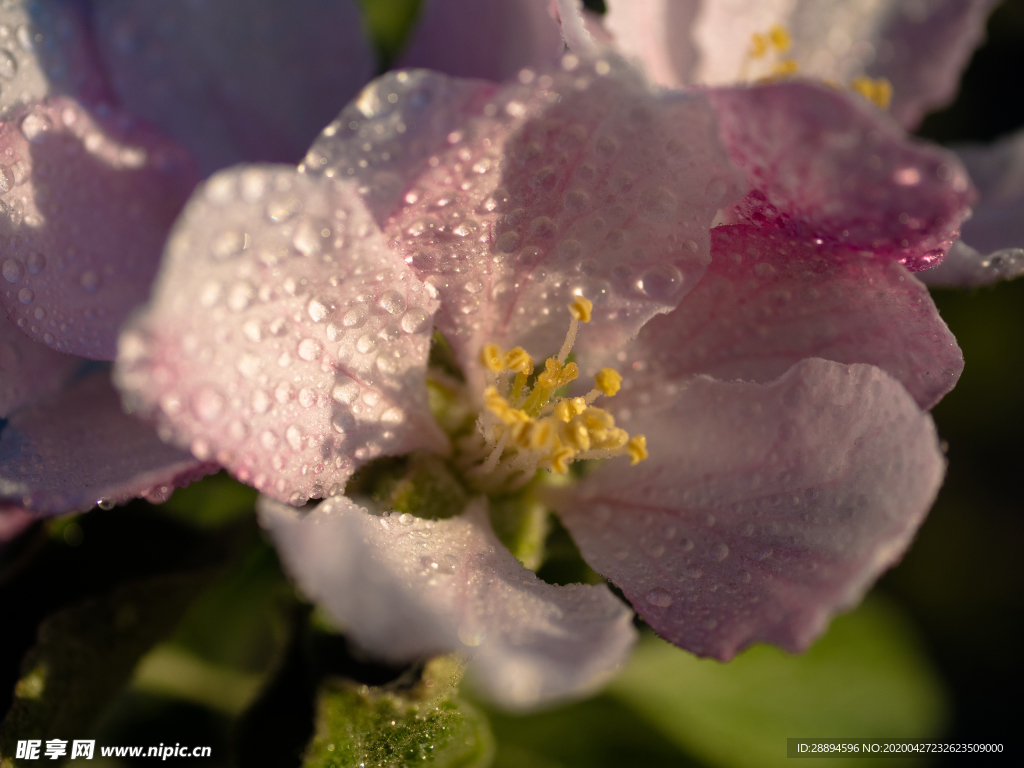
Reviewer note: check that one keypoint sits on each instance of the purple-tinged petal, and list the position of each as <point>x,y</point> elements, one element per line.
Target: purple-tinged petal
<point>579,27</point>
<point>767,302</point>
<point>821,165</point>
<point>405,588</point>
<point>283,338</point>
<point>493,39</point>
<point>965,267</point>
<point>658,33</point>
<point>14,520</point>
<point>77,447</point>
<point>87,205</point>
<point>992,244</point>
<point>48,51</point>
<point>920,48</point>
<point>509,199</point>
<point>763,508</point>
<point>235,80</point>
<point>27,369</point>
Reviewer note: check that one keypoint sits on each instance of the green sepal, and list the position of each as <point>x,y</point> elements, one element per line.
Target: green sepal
<point>424,725</point>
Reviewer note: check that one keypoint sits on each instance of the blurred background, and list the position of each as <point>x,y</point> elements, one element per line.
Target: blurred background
<point>173,624</point>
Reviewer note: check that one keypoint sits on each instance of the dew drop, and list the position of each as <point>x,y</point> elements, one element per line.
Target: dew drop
<point>36,262</point>
<point>366,344</point>
<point>392,416</point>
<point>719,552</point>
<point>227,244</point>
<point>576,201</point>
<point>661,282</point>
<point>35,126</point>
<point>207,404</point>
<point>392,302</point>
<point>414,321</point>
<point>13,271</point>
<point>354,318</point>
<point>345,391</point>
<point>659,597</point>
<point>310,350</point>
<point>508,242</point>
<point>311,237</point>
<point>283,209</point>
<point>90,281</point>
<point>25,295</point>
<point>716,190</point>
<point>317,310</point>
<point>294,437</point>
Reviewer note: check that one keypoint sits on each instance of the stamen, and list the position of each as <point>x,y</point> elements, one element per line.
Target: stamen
<point>609,381</point>
<point>780,38</point>
<point>580,310</point>
<point>540,432</point>
<point>878,92</point>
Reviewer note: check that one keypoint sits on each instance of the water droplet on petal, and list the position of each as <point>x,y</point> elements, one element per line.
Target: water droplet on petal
<point>25,295</point>
<point>13,270</point>
<point>90,281</point>
<point>354,318</point>
<point>36,262</point>
<point>228,244</point>
<point>366,344</point>
<point>414,321</point>
<point>35,126</point>
<point>8,64</point>
<point>317,310</point>
<point>392,302</point>
<point>719,552</point>
<point>310,349</point>
<point>656,204</point>
<point>345,391</point>
<point>661,282</point>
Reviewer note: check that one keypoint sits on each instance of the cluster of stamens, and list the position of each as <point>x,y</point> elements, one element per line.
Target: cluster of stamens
<point>526,426</point>
<point>776,43</point>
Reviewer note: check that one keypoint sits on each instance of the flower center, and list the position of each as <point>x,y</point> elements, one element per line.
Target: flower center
<point>526,425</point>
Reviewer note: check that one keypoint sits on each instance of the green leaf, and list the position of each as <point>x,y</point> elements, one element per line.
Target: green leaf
<point>868,678</point>
<point>427,725</point>
<point>389,23</point>
<point>85,655</point>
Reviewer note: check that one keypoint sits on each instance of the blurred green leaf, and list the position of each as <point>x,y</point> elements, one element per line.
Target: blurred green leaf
<point>868,678</point>
<point>85,655</point>
<point>389,23</point>
<point>427,725</point>
<point>212,502</point>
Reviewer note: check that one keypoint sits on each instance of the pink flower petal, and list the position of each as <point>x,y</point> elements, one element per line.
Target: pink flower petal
<point>658,33</point>
<point>820,165</point>
<point>965,267</point>
<point>509,199</point>
<point>992,247</point>
<point>27,369</point>
<point>763,508</point>
<point>920,48</point>
<point>48,51</point>
<point>89,202</point>
<point>283,338</point>
<point>767,302</point>
<point>492,39</point>
<point>405,588</point>
<point>77,447</point>
<point>235,80</point>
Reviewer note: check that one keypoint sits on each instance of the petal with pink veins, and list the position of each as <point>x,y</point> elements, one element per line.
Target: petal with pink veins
<point>992,245</point>
<point>235,80</point>
<point>510,199</point>
<point>27,369</point>
<point>920,48</point>
<point>763,508</point>
<point>87,204</point>
<point>283,338</point>
<point>75,448</point>
<point>492,40</point>
<point>405,588</point>
<point>821,165</point>
<point>767,302</point>
<point>48,51</point>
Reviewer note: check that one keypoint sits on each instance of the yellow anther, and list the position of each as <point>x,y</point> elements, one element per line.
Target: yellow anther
<point>609,381</point>
<point>556,375</point>
<point>542,435</point>
<point>878,92</point>
<point>581,308</point>
<point>499,406</point>
<point>636,449</point>
<point>780,38</point>
<point>516,359</point>
<point>520,433</point>
<point>758,45</point>
<point>785,68</point>
<point>563,410</point>
<point>598,418</point>
<point>575,434</point>
<point>614,438</point>
<point>491,358</point>
<point>560,458</point>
